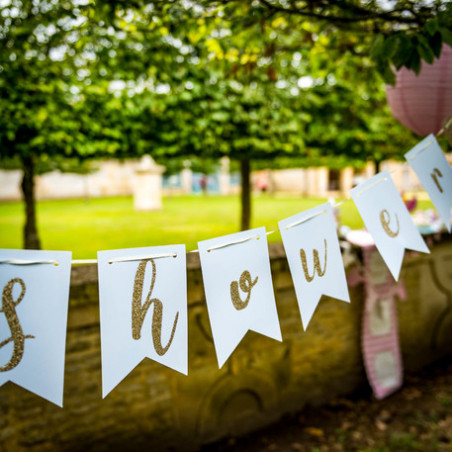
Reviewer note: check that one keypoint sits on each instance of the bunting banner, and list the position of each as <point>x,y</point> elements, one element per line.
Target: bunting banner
<point>388,220</point>
<point>143,291</point>
<point>143,310</point>
<point>315,260</point>
<point>33,320</point>
<point>435,174</point>
<point>239,289</point>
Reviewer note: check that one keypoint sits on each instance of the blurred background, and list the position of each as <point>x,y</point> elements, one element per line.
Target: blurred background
<point>275,97</point>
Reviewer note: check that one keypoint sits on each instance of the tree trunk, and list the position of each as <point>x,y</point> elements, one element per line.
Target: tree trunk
<point>377,166</point>
<point>245,172</point>
<point>31,239</point>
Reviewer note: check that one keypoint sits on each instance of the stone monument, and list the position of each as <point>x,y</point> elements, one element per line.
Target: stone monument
<point>186,176</point>
<point>224,176</point>
<point>147,190</point>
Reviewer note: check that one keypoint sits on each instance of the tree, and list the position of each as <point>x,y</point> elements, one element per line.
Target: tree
<point>57,61</point>
<point>40,70</point>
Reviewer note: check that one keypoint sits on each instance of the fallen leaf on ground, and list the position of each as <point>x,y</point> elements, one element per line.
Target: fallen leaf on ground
<point>384,415</point>
<point>412,393</point>
<point>381,425</point>
<point>317,432</point>
<point>347,425</point>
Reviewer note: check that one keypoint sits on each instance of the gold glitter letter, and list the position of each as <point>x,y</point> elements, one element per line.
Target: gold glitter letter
<point>246,285</point>
<point>385,219</point>
<point>317,266</point>
<point>434,176</point>
<point>139,311</point>
<point>17,335</point>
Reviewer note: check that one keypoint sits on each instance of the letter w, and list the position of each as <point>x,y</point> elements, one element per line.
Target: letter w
<point>317,266</point>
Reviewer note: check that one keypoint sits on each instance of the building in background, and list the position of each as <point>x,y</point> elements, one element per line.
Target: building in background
<point>116,178</point>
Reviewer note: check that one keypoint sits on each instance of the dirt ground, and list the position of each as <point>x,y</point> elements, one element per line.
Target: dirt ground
<point>416,418</point>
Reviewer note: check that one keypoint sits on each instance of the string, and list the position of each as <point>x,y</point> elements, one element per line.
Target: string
<point>446,126</point>
<point>84,261</point>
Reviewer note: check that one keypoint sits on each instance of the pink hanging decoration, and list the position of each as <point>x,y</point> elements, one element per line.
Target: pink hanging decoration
<point>380,337</point>
<point>422,102</point>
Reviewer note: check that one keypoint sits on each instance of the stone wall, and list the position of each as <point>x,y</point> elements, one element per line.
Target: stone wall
<point>156,408</point>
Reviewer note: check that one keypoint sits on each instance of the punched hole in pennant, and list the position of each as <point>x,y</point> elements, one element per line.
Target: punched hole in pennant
<point>423,148</point>
<point>383,179</point>
<point>224,245</point>
<point>304,220</point>
<point>25,262</point>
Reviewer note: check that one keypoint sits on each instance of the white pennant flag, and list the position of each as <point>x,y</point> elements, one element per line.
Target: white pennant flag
<point>239,289</point>
<point>314,257</point>
<point>388,220</point>
<point>143,310</point>
<point>431,167</point>
<point>33,320</point>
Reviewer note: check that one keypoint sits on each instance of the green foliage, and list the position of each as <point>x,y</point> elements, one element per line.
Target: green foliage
<point>394,33</point>
<point>408,48</point>
<point>273,90</point>
<point>175,165</point>
<point>243,79</point>
<point>44,65</point>
<point>225,117</point>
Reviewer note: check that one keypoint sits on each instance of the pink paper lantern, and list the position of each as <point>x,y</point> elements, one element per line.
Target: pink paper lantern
<point>422,102</point>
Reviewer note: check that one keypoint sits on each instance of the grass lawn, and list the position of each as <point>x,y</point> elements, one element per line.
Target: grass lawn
<point>84,227</point>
